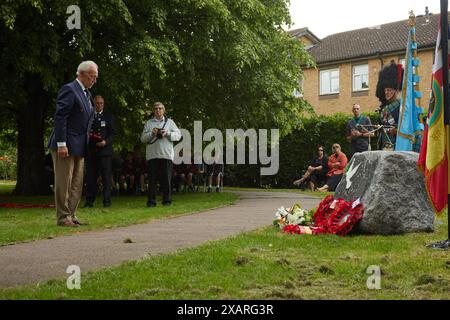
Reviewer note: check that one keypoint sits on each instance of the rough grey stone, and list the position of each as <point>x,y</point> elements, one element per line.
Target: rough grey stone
<point>392,190</point>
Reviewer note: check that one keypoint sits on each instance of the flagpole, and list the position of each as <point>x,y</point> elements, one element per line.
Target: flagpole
<point>444,39</point>
<point>445,90</point>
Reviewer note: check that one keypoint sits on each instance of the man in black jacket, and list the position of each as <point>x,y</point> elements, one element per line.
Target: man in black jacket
<point>99,160</point>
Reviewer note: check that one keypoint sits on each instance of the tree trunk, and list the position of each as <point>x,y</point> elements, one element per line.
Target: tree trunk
<point>30,120</point>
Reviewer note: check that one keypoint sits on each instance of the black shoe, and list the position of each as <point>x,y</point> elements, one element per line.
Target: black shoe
<point>167,203</point>
<point>217,189</point>
<point>88,205</point>
<point>209,189</point>
<point>107,205</point>
<point>151,204</point>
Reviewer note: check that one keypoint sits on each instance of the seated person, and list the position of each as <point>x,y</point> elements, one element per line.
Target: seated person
<point>127,175</point>
<point>178,176</point>
<point>187,174</point>
<point>214,172</point>
<point>316,171</point>
<point>140,170</point>
<point>117,163</point>
<point>336,166</point>
<point>49,174</point>
<point>144,177</point>
<point>191,174</point>
<point>196,175</point>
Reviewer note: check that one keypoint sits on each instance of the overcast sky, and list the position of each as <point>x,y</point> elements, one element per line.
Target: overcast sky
<point>325,17</point>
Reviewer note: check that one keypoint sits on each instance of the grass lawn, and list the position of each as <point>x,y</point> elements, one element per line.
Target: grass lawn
<point>267,264</point>
<point>18,225</point>
<point>6,186</point>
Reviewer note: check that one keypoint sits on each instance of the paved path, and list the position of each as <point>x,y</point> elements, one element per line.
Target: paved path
<point>39,261</point>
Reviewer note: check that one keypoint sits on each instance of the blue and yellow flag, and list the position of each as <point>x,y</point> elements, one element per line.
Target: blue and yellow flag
<point>410,127</point>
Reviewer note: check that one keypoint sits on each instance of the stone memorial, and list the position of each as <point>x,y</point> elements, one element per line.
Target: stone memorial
<point>392,190</point>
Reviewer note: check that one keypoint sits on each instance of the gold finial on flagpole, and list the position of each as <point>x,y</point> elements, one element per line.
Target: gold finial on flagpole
<point>412,19</point>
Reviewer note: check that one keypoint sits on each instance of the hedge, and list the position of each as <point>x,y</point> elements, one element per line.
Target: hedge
<point>296,152</point>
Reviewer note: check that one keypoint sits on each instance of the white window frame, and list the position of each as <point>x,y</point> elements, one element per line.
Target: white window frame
<point>403,63</point>
<point>355,76</point>
<point>329,88</point>
<point>298,92</point>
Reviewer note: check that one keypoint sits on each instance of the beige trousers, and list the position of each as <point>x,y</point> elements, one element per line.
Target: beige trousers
<point>69,174</point>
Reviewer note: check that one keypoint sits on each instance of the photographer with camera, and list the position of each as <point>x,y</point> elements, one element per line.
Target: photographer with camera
<point>357,133</point>
<point>100,153</point>
<point>159,134</point>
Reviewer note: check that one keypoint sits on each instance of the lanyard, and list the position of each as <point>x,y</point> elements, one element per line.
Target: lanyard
<point>359,120</point>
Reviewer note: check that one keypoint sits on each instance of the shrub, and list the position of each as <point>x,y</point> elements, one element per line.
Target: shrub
<point>296,152</point>
<point>8,163</point>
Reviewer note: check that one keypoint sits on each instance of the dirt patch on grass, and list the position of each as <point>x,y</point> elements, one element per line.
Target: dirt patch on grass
<point>428,282</point>
<point>289,284</point>
<point>148,293</point>
<point>215,289</point>
<point>425,279</point>
<point>240,261</point>
<point>283,262</point>
<point>282,293</point>
<point>326,270</point>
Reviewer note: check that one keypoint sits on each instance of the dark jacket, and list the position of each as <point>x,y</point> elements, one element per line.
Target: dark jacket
<point>102,126</point>
<point>73,119</point>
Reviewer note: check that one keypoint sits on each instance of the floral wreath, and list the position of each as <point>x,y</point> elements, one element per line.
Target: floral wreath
<point>333,216</point>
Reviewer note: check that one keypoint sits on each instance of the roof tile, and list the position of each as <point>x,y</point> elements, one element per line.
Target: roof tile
<point>365,42</point>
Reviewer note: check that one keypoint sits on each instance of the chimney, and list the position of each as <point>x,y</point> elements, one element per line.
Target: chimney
<point>427,15</point>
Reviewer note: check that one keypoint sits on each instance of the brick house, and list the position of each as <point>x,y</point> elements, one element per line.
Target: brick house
<point>348,63</point>
<point>308,38</point>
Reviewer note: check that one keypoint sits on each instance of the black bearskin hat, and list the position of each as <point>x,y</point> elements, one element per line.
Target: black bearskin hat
<point>390,76</point>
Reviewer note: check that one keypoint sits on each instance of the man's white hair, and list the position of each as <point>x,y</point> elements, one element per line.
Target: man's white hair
<point>85,66</point>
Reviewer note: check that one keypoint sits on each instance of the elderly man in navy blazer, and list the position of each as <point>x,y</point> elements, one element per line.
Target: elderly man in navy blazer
<point>68,142</point>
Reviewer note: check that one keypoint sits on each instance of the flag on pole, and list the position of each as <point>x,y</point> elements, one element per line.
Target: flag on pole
<point>410,127</point>
<point>433,157</point>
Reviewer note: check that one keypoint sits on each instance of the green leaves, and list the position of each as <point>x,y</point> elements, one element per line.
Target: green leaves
<point>225,62</point>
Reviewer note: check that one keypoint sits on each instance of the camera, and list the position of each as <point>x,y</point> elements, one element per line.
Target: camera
<point>159,134</point>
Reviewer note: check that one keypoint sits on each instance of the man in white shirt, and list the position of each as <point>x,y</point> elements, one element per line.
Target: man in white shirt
<point>159,134</point>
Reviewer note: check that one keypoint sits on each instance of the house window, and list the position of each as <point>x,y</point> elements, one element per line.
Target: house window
<point>361,77</point>
<point>298,92</point>
<point>329,81</point>
<point>403,63</point>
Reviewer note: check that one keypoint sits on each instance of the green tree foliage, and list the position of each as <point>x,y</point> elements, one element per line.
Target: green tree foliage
<point>226,62</point>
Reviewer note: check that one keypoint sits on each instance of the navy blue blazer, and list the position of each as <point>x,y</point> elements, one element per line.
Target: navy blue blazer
<point>73,119</point>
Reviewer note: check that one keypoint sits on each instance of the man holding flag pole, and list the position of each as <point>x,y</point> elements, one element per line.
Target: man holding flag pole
<point>410,126</point>
<point>434,153</point>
